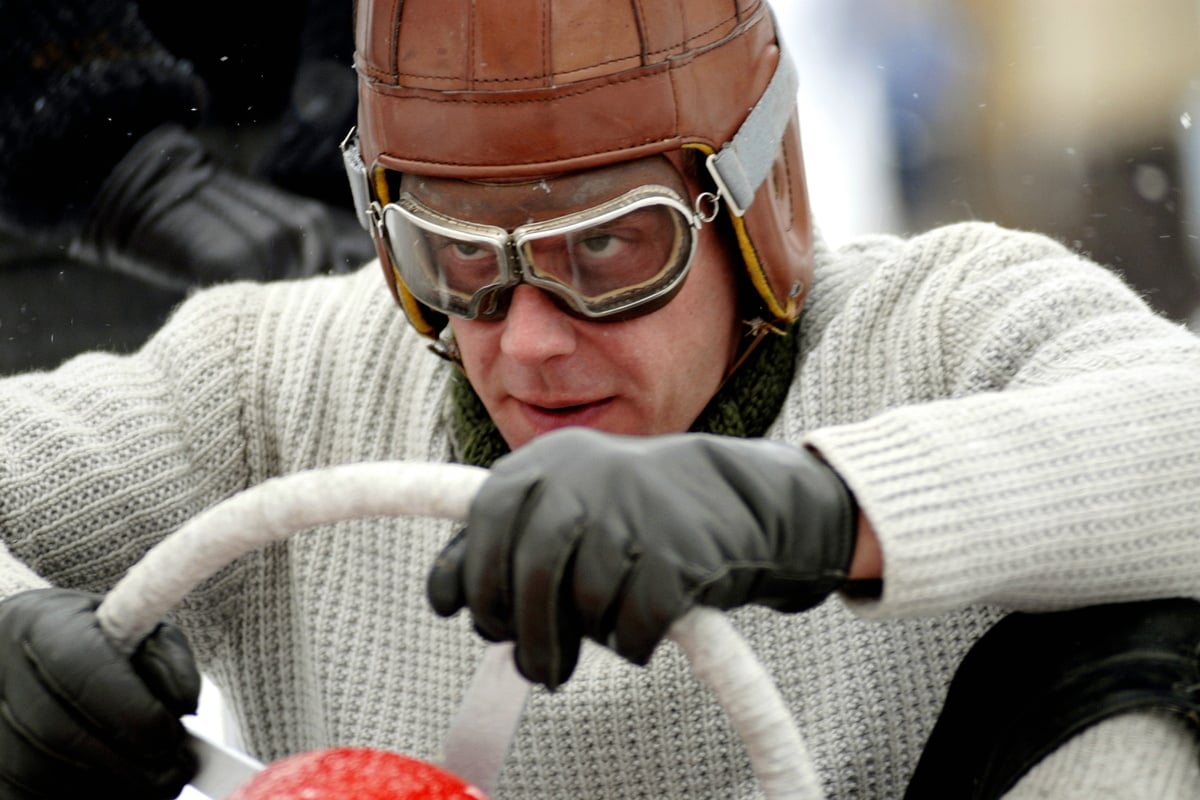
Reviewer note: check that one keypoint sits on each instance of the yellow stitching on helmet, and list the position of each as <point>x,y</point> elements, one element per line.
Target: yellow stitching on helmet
<point>758,277</point>
<point>379,176</point>
<point>750,260</point>
<point>412,307</point>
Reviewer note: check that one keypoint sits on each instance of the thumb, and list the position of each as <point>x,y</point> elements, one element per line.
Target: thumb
<point>444,586</point>
<point>165,663</point>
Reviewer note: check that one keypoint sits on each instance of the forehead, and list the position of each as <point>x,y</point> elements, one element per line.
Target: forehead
<point>512,203</point>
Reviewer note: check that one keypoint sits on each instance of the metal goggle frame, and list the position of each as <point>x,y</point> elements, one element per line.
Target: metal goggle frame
<point>624,257</point>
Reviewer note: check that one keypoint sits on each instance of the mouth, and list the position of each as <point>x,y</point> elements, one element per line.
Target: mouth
<point>560,415</point>
<point>565,409</point>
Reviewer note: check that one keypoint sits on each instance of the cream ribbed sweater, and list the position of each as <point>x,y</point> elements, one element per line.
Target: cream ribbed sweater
<point>1020,429</point>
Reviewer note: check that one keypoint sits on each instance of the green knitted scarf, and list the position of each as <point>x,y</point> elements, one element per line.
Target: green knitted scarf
<point>745,406</point>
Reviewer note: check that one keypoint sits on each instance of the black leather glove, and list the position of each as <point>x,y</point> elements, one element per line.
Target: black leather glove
<point>581,533</point>
<point>78,718</point>
<point>171,215</point>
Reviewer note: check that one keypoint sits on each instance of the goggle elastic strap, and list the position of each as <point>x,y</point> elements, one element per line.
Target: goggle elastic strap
<point>745,161</point>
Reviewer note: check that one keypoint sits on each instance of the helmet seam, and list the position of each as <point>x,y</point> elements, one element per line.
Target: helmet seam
<point>682,45</point>
<point>546,40</point>
<point>558,94</point>
<point>550,160</point>
<point>639,16</point>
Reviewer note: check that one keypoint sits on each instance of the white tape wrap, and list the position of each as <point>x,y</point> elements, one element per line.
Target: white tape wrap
<point>278,508</point>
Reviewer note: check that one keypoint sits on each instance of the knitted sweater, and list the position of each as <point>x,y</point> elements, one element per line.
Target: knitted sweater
<point>1022,432</point>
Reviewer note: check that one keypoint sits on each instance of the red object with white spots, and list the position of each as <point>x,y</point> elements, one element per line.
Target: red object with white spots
<point>345,773</point>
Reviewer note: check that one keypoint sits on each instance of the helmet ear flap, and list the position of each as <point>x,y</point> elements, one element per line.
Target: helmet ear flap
<point>776,232</point>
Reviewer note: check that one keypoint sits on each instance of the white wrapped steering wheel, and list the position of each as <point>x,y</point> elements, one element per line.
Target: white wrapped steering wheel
<point>280,507</point>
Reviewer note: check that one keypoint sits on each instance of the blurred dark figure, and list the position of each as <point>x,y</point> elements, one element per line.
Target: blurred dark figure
<point>147,148</point>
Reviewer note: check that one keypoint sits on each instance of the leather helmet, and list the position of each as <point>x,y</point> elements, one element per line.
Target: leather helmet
<point>504,89</point>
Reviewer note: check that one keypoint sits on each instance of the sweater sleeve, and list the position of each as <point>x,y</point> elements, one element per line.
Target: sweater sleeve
<point>104,456</point>
<point>1047,452</point>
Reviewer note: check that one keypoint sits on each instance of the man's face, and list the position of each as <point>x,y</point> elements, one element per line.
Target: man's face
<point>540,368</point>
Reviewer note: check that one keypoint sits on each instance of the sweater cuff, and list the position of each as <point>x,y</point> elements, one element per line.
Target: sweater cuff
<point>888,469</point>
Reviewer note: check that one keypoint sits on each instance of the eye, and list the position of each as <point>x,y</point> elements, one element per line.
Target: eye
<point>459,254</point>
<point>465,251</point>
<point>601,244</point>
<point>462,265</point>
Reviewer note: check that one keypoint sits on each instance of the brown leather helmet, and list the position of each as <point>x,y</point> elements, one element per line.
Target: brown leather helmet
<point>502,89</point>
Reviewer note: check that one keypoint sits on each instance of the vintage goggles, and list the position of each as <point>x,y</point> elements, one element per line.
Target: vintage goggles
<point>623,257</point>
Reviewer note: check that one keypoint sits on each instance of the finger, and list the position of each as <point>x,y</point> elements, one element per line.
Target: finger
<point>547,622</point>
<point>487,637</point>
<point>444,585</point>
<point>27,769</point>
<point>600,573</point>
<point>164,661</point>
<point>102,692</point>
<point>551,668</point>
<point>654,597</point>
<point>498,522</point>
<point>47,747</point>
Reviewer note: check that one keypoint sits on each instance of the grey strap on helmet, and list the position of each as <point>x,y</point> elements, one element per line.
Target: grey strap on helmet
<point>744,162</point>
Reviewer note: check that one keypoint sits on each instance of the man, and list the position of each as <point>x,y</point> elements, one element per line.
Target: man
<point>575,201</point>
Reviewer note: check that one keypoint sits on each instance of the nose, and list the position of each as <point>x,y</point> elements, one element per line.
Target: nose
<point>535,329</point>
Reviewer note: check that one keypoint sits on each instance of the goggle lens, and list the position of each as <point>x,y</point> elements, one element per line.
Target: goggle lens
<point>614,259</point>
<point>614,263</point>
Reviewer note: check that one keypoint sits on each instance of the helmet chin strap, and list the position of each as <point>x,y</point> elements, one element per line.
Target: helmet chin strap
<point>446,347</point>
<point>757,330</point>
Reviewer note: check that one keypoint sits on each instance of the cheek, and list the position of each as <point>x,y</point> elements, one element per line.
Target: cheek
<point>689,345</point>
<point>707,310</point>
<point>476,342</point>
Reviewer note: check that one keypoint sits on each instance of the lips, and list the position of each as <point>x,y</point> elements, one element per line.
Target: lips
<point>566,409</point>
<point>550,416</point>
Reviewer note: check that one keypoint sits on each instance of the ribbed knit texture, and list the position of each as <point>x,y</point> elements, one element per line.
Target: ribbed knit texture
<point>1076,484</point>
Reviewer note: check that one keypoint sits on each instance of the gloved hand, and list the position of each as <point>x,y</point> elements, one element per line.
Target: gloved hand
<point>169,214</point>
<point>78,718</point>
<point>582,533</point>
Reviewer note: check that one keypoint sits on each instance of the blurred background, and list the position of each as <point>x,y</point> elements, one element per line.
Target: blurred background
<point>148,148</point>
<point>1076,118</point>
